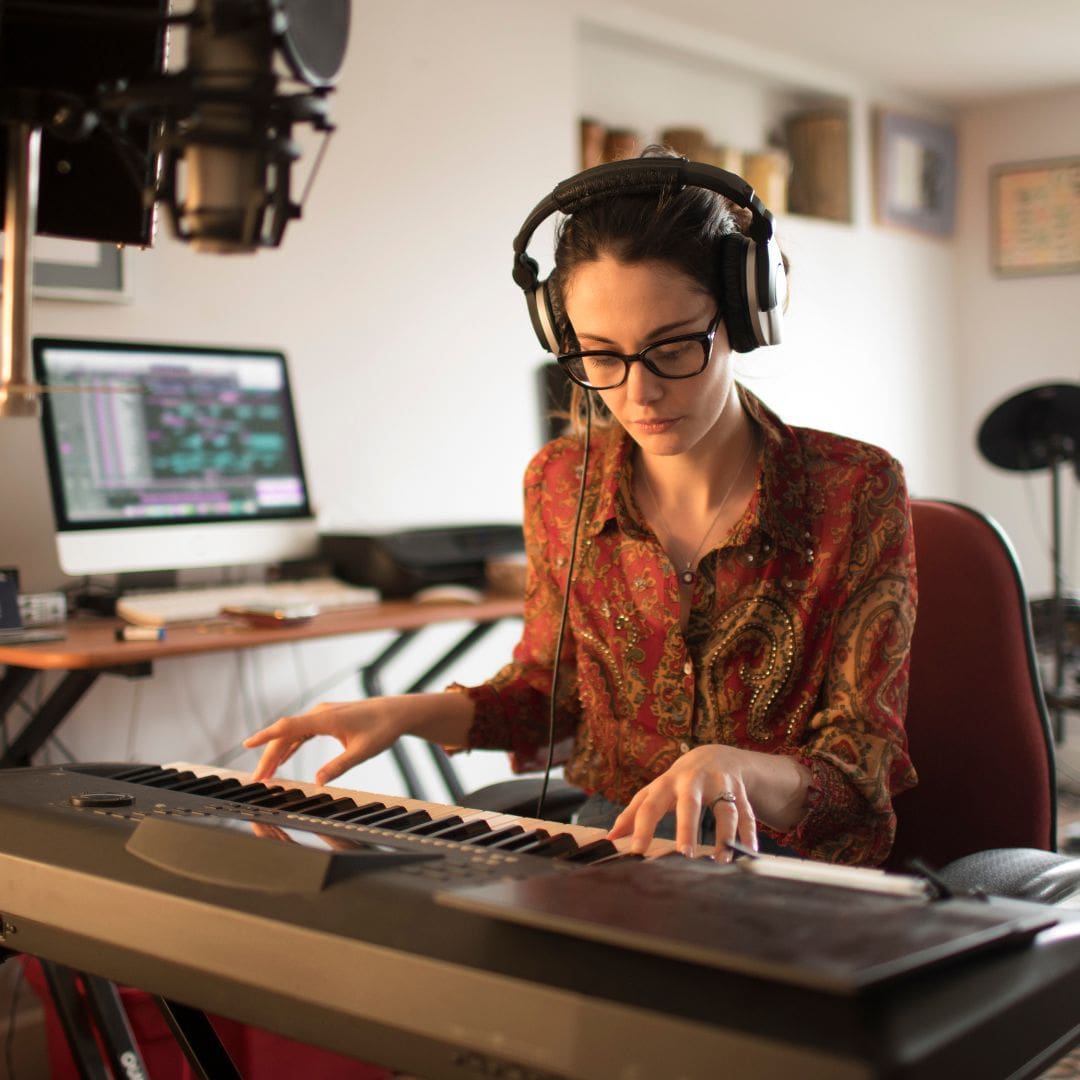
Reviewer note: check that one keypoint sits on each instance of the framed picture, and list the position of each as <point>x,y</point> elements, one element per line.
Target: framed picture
<point>915,173</point>
<point>1035,217</point>
<point>78,270</point>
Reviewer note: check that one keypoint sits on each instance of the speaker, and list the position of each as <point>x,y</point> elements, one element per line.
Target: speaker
<point>751,267</point>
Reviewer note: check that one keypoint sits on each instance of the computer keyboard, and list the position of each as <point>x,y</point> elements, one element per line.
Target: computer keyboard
<point>197,604</point>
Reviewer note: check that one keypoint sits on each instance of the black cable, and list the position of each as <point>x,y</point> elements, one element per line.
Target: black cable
<point>565,609</point>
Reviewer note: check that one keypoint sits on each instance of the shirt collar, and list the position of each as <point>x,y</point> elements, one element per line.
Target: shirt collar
<point>782,510</point>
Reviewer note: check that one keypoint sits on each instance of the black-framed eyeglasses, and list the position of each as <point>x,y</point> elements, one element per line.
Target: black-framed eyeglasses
<point>679,357</point>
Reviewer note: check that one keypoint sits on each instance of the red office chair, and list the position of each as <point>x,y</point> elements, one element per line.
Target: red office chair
<point>977,722</point>
<point>978,728</point>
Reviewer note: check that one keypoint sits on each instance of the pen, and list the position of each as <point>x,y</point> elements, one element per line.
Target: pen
<point>140,633</point>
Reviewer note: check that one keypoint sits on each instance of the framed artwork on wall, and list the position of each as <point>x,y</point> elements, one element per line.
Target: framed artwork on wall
<point>78,270</point>
<point>1035,217</point>
<point>914,173</point>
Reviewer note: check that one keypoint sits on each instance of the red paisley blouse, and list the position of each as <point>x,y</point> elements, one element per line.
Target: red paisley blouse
<point>797,642</point>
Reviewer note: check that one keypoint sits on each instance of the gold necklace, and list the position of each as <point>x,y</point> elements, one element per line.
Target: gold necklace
<point>688,576</point>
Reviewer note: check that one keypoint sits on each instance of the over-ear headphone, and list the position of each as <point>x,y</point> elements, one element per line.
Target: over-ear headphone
<point>751,267</point>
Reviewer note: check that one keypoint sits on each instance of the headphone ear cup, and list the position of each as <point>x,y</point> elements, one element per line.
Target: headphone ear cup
<point>542,315</point>
<point>734,251</point>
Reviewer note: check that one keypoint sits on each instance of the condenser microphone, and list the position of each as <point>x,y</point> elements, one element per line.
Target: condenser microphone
<point>227,146</point>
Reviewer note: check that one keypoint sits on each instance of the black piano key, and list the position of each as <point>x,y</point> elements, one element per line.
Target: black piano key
<point>304,803</point>
<point>406,821</point>
<point>498,835</point>
<point>594,852</point>
<point>559,845</point>
<point>173,782</point>
<point>464,831</point>
<point>163,775</point>
<point>207,785</point>
<point>375,817</point>
<point>276,796</point>
<point>356,812</point>
<point>139,773</point>
<point>250,791</point>
<point>436,826</point>
<point>527,839</point>
<point>327,808</point>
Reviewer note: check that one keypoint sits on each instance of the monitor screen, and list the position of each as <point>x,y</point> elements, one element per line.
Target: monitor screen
<point>168,456</point>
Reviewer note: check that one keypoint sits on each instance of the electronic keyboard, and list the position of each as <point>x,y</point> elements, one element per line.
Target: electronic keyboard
<point>446,942</point>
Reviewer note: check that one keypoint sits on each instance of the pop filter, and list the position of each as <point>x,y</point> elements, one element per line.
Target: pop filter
<point>314,37</point>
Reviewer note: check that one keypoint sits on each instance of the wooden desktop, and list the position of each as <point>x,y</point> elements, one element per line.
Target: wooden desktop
<point>89,649</point>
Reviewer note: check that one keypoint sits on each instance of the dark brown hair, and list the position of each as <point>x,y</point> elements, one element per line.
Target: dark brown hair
<point>681,228</point>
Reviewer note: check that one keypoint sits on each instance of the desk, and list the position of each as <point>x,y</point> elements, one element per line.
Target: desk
<point>90,650</point>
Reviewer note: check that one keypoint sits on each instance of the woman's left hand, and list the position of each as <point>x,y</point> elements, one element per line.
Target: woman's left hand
<point>712,778</point>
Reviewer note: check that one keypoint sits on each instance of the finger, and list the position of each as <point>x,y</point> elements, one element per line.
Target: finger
<point>285,726</point>
<point>653,807</point>
<point>747,821</point>
<point>687,821</point>
<point>726,815</point>
<point>275,754</point>
<point>624,823</point>
<point>336,766</point>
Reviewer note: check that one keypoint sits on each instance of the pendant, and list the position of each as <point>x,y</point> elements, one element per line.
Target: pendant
<point>688,577</point>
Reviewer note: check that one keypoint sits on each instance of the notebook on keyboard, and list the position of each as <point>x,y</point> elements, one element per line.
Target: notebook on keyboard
<point>196,605</point>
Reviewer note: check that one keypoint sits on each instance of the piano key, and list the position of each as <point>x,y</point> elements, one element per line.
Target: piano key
<point>529,838</point>
<point>356,812</point>
<point>249,791</point>
<point>174,782</point>
<point>374,817</point>
<point>303,803</point>
<point>139,774</point>
<point>436,825</point>
<point>275,797</point>
<point>594,852</point>
<point>465,831</point>
<point>406,820</point>
<point>559,845</point>
<point>498,835</point>
<point>208,785</point>
<point>333,806</point>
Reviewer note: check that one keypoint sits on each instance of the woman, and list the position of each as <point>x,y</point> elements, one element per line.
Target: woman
<point>736,647</point>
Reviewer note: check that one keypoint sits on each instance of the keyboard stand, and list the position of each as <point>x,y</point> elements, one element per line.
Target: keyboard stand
<point>98,1008</point>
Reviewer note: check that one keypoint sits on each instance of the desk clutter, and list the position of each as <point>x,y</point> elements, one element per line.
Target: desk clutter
<point>265,603</point>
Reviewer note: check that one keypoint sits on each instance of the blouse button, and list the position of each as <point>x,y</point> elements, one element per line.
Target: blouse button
<point>688,668</point>
<point>684,748</point>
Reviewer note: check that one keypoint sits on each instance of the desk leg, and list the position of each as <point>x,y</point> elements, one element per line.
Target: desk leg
<point>46,720</point>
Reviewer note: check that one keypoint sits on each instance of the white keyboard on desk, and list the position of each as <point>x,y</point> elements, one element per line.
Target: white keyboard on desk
<point>197,604</point>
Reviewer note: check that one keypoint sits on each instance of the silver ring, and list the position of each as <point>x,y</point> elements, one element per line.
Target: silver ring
<point>724,796</point>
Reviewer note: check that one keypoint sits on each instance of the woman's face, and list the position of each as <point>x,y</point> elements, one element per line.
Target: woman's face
<point>628,306</point>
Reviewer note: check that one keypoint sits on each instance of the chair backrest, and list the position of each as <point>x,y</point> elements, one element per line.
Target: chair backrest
<point>977,722</point>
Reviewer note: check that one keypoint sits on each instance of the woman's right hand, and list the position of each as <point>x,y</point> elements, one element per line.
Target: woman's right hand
<point>364,728</point>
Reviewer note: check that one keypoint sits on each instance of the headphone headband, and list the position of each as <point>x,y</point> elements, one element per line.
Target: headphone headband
<point>759,278</point>
<point>639,176</point>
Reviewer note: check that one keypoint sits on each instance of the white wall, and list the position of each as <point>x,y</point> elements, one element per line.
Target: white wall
<point>1015,332</point>
<point>413,362</point>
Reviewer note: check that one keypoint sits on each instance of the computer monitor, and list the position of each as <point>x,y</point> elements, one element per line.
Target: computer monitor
<point>163,457</point>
